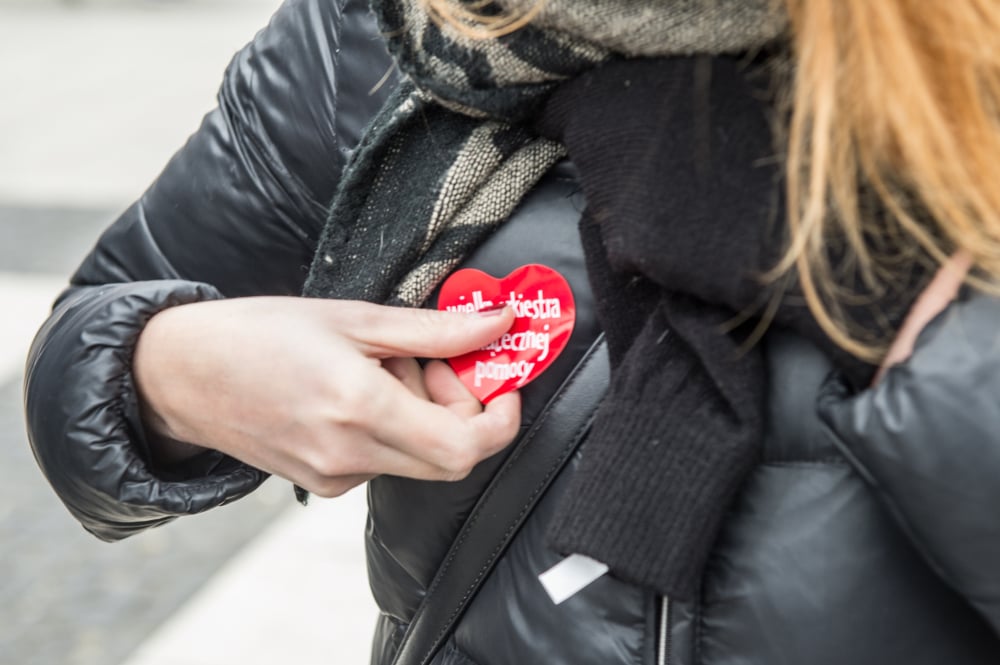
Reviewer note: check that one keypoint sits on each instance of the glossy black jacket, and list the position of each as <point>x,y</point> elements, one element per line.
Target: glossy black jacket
<point>869,533</point>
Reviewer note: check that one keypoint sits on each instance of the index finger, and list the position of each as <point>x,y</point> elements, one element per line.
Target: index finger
<point>381,331</point>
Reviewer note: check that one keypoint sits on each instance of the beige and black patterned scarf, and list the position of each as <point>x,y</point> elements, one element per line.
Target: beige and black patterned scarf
<point>450,156</point>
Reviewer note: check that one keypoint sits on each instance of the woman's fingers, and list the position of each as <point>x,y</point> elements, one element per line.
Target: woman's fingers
<point>453,441</point>
<point>407,371</point>
<point>381,332</point>
<point>445,388</point>
<point>331,487</point>
<point>325,394</point>
<point>357,454</point>
<point>414,437</point>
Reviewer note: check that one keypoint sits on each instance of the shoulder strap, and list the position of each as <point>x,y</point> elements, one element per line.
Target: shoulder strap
<point>538,457</point>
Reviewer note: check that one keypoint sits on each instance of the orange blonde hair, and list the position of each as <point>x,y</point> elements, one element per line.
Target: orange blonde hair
<point>467,19</point>
<point>900,96</point>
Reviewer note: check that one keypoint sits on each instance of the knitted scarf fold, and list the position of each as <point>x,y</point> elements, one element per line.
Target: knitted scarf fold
<point>449,157</point>
<point>677,168</point>
<point>673,156</point>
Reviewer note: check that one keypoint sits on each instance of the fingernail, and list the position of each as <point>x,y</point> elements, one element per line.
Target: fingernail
<point>496,310</point>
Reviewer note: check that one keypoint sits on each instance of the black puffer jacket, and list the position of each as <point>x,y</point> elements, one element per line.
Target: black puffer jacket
<point>869,534</point>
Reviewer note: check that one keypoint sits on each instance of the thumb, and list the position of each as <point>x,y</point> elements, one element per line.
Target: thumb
<point>383,332</point>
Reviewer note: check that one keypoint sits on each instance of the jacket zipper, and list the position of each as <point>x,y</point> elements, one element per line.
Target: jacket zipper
<point>663,643</point>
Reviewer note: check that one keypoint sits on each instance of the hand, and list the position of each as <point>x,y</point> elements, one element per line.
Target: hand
<point>324,393</point>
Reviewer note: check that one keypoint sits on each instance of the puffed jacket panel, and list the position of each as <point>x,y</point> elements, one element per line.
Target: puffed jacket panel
<point>412,524</point>
<point>810,566</point>
<point>542,230</point>
<point>236,212</point>
<point>242,204</point>
<point>864,536</point>
<point>926,438</point>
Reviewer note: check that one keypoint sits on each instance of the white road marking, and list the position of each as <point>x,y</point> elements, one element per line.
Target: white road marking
<point>297,594</point>
<point>99,94</point>
<point>25,300</point>
<point>99,97</point>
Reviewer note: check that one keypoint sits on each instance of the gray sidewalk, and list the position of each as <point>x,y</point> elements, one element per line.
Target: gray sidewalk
<point>96,97</point>
<point>97,94</point>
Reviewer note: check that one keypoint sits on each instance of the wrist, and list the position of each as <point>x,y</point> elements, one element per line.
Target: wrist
<point>166,447</point>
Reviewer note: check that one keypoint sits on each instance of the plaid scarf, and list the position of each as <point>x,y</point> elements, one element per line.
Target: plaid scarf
<point>450,156</point>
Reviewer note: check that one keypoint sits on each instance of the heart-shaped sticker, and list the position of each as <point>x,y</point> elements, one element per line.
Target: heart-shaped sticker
<point>545,313</point>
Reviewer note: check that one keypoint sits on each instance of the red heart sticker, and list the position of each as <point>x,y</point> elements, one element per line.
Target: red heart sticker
<point>545,314</point>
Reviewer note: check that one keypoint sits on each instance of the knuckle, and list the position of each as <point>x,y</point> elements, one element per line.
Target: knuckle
<point>507,431</point>
<point>495,447</point>
<point>327,466</point>
<point>362,315</point>
<point>354,405</point>
<point>329,458</point>
<point>423,322</point>
<point>492,446</point>
<point>332,488</point>
<point>460,462</point>
<point>453,476</point>
<point>429,324</point>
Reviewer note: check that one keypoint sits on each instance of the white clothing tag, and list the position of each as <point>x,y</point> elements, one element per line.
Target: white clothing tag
<point>570,576</point>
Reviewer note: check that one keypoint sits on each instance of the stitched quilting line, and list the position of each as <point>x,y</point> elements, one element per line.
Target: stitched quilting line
<point>455,651</point>
<point>548,474</point>
<point>487,497</point>
<point>806,463</point>
<point>538,488</point>
<point>894,509</point>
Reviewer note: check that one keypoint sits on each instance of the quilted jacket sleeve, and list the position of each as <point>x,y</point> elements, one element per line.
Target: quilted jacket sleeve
<point>236,212</point>
<point>928,441</point>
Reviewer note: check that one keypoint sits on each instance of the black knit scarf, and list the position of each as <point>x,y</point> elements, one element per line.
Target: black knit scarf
<point>683,214</point>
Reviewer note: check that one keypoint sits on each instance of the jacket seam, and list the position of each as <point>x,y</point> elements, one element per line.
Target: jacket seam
<point>142,221</point>
<point>699,626</point>
<point>699,614</point>
<point>376,536</point>
<point>279,175</point>
<point>805,463</point>
<point>235,115</point>
<point>335,110</point>
<point>899,516</point>
<point>461,653</point>
<point>448,561</point>
<point>506,534</point>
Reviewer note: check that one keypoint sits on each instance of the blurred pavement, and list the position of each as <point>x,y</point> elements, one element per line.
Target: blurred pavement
<point>95,95</point>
